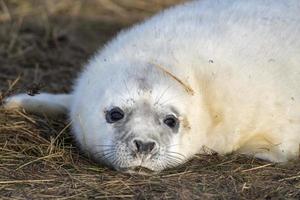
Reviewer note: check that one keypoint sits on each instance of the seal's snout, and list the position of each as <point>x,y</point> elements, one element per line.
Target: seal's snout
<point>145,146</point>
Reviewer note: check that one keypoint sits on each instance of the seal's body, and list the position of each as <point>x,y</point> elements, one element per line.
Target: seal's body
<point>210,74</point>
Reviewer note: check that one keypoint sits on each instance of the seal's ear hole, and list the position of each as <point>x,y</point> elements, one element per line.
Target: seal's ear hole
<point>171,121</point>
<point>114,115</point>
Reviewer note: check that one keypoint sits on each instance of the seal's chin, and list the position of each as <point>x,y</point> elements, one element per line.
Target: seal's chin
<point>138,170</point>
<point>143,167</point>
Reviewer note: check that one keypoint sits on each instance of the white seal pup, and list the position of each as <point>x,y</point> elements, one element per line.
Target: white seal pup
<point>211,74</point>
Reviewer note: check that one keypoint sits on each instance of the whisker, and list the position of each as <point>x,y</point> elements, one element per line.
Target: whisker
<point>174,158</point>
<point>173,162</point>
<point>172,145</point>
<point>172,99</point>
<point>161,95</point>
<point>126,87</point>
<point>172,152</point>
<point>119,95</point>
<point>104,150</point>
<point>109,156</point>
<point>104,158</point>
<point>105,145</point>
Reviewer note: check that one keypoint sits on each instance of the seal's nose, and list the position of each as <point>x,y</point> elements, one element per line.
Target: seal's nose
<point>144,146</point>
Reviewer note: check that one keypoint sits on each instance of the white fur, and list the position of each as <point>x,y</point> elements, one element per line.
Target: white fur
<point>240,57</point>
<point>49,104</point>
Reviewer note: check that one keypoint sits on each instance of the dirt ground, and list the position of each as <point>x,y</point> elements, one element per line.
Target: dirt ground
<point>43,45</point>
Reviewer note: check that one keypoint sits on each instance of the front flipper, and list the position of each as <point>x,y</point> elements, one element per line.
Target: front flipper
<point>49,104</point>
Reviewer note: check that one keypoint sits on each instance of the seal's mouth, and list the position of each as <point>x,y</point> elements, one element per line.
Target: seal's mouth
<point>138,170</point>
<point>140,167</point>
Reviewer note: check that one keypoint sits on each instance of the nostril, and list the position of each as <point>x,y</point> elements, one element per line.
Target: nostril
<point>151,145</point>
<point>138,144</point>
<point>144,147</point>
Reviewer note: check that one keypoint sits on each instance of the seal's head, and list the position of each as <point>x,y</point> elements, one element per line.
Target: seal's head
<point>136,117</point>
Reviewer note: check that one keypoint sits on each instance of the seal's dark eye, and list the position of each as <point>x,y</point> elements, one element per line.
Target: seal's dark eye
<point>171,121</point>
<point>114,115</point>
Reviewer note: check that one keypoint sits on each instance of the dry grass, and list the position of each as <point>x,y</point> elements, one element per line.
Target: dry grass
<point>44,43</point>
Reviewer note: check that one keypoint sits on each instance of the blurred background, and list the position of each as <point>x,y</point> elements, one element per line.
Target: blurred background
<point>42,41</point>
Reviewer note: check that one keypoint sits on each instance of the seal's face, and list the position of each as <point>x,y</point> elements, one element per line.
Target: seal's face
<point>143,136</point>
<point>137,122</point>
